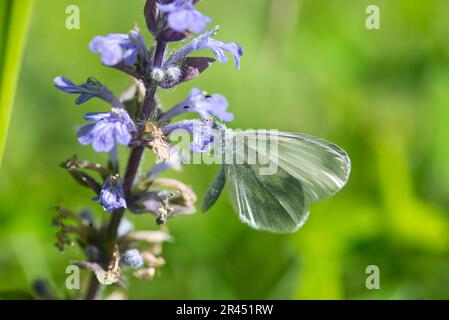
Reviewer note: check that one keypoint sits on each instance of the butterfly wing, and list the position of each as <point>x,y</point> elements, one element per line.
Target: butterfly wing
<point>214,191</point>
<point>266,202</point>
<point>308,169</point>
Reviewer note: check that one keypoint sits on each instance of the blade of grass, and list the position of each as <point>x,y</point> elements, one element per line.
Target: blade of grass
<point>4,18</point>
<point>15,16</point>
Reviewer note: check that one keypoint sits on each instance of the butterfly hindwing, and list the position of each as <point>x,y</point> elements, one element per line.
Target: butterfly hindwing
<point>272,203</point>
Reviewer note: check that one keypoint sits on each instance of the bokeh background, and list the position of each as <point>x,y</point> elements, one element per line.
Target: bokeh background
<point>309,66</point>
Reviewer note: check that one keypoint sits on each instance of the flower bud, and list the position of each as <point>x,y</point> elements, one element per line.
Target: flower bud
<point>132,258</point>
<point>173,73</point>
<point>157,75</point>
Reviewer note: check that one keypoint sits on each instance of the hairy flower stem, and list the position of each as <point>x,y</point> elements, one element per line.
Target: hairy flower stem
<point>135,158</point>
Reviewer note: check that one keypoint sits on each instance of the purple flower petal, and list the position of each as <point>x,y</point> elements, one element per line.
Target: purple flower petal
<point>179,20</point>
<point>109,128</point>
<point>112,196</point>
<point>203,133</point>
<point>198,22</point>
<point>203,137</point>
<point>115,48</point>
<point>66,85</point>
<point>206,41</point>
<point>130,56</point>
<point>204,105</point>
<point>220,48</point>
<point>92,88</point>
<point>96,116</point>
<point>104,138</point>
<point>84,136</point>
<point>183,16</point>
<point>122,134</point>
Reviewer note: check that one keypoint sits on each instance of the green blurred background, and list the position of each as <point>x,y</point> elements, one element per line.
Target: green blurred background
<point>309,66</point>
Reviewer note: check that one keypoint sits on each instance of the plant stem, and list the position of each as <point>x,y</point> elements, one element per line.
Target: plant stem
<point>135,158</point>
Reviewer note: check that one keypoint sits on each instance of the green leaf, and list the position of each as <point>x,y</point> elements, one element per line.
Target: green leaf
<point>4,9</point>
<point>14,15</point>
<point>214,191</point>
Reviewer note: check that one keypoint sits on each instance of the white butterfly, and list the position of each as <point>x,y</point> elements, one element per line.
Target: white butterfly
<point>308,169</point>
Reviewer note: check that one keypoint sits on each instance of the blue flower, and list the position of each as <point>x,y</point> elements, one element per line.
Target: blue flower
<point>112,196</point>
<point>203,133</point>
<point>132,258</point>
<point>183,16</point>
<point>206,41</point>
<point>109,128</point>
<point>91,89</point>
<point>203,136</point>
<point>115,48</point>
<point>220,48</point>
<point>203,104</point>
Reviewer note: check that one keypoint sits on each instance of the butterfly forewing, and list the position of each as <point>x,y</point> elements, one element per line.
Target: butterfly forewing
<point>308,169</point>
<point>322,167</point>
